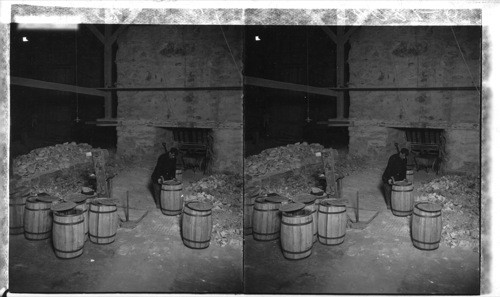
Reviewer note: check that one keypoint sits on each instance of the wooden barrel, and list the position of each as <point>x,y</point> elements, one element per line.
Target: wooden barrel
<point>103,222</point>
<point>37,219</point>
<point>297,234</point>
<point>84,207</point>
<point>17,203</point>
<point>68,233</point>
<point>402,199</point>
<point>265,220</point>
<point>197,225</point>
<point>171,200</point>
<point>332,223</point>
<point>426,226</point>
<point>409,175</point>
<point>248,214</point>
<point>310,204</point>
<point>82,204</point>
<point>178,174</point>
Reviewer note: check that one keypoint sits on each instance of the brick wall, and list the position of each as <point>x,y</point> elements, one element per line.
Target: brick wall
<point>180,56</point>
<point>415,57</point>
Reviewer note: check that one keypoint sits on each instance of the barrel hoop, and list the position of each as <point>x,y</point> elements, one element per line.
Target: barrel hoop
<point>195,241</point>
<point>335,212</point>
<point>326,237</point>
<point>60,251</point>
<point>171,209</point>
<point>171,190</point>
<point>296,253</point>
<point>18,227</point>
<point>110,211</point>
<point>265,233</point>
<point>301,224</point>
<point>17,204</point>
<point>265,210</point>
<point>35,233</point>
<point>66,224</point>
<point>194,215</point>
<point>95,236</point>
<point>402,191</point>
<point>434,216</point>
<point>37,209</point>
<point>423,242</point>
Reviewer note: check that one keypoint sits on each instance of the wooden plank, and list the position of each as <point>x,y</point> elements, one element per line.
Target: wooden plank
<point>340,72</point>
<point>115,35</point>
<point>40,84</point>
<point>108,72</point>
<point>100,173</point>
<point>267,83</point>
<point>96,32</point>
<point>328,156</point>
<point>349,33</point>
<point>221,88</point>
<point>330,34</point>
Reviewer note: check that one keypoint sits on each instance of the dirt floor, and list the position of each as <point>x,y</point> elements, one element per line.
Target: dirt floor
<point>379,259</point>
<point>149,258</point>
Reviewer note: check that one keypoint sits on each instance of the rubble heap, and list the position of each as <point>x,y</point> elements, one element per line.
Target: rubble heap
<point>346,164</point>
<point>298,183</point>
<point>52,158</point>
<point>280,159</point>
<point>459,196</point>
<point>225,193</point>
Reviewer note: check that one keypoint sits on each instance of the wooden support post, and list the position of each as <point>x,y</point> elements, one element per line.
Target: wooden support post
<point>340,71</point>
<point>328,156</point>
<point>108,71</point>
<point>99,159</point>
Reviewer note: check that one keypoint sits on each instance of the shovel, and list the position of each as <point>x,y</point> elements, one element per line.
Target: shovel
<point>128,224</point>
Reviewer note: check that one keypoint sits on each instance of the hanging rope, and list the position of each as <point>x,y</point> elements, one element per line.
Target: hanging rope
<point>465,62</point>
<point>308,119</point>
<point>229,48</point>
<point>77,119</point>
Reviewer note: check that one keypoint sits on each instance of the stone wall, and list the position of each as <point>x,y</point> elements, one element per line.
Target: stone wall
<point>180,57</point>
<point>415,57</point>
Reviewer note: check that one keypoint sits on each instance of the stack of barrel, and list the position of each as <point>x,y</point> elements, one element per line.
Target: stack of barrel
<point>69,221</point>
<point>196,220</point>
<point>426,220</point>
<point>298,222</point>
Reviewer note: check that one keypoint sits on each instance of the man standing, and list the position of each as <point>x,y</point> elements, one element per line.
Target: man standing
<point>165,168</point>
<point>395,171</point>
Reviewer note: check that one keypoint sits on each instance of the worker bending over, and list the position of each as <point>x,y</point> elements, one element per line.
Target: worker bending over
<point>164,170</point>
<point>395,171</point>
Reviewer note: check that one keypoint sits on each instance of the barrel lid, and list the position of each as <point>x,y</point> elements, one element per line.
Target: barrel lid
<point>76,197</point>
<point>289,207</point>
<point>172,182</point>
<point>42,194</point>
<point>428,206</point>
<point>402,183</point>
<point>105,201</point>
<point>20,191</point>
<point>63,206</point>
<point>201,206</point>
<point>305,198</point>
<point>87,191</point>
<point>276,199</point>
<point>298,213</point>
<point>317,191</point>
<point>252,191</point>
<point>334,202</point>
<point>47,199</point>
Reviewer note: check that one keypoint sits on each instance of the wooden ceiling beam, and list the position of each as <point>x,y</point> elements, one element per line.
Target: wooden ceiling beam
<point>33,83</point>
